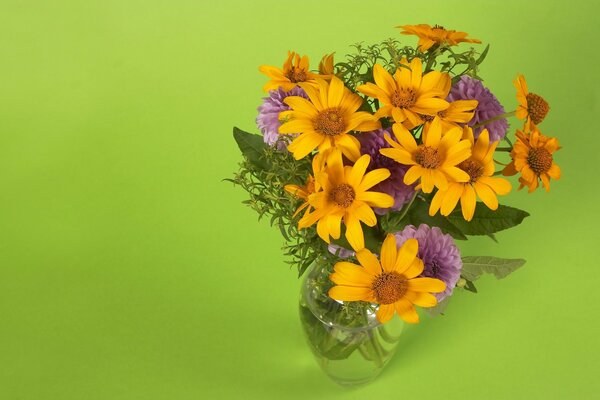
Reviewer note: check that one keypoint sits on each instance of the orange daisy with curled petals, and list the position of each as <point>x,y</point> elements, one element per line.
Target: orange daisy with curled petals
<point>408,93</point>
<point>434,162</point>
<point>480,167</point>
<point>326,119</point>
<point>295,70</point>
<point>390,281</point>
<point>533,157</point>
<point>436,35</point>
<point>344,196</point>
<point>532,107</point>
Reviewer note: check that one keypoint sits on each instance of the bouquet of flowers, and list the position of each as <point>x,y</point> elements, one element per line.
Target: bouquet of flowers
<point>373,167</point>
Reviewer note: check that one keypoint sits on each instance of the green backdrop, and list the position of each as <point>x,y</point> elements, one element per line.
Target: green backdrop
<point>129,270</point>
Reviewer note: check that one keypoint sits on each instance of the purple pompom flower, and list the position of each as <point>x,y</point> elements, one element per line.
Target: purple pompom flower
<point>370,143</point>
<point>438,252</point>
<point>468,88</point>
<point>268,115</point>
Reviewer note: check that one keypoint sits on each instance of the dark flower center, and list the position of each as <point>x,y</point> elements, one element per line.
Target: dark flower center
<point>404,98</point>
<point>427,157</point>
<point>537,107</point>
<point>330,122</point>
<point>389,287</point>
<point>343,195</point>
<point>473,168</point>
<point>296,75</point>
<point>539,160</point>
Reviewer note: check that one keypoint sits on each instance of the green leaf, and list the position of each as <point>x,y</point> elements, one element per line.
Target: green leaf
<point>252,147</point>
<point>483,55</point>
<point>474,267</point>
<point>486,221</point>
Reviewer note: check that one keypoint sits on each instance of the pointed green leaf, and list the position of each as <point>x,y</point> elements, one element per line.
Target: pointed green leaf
<point>252,147</point>
<point>474,267</point>
<point>486,221</point>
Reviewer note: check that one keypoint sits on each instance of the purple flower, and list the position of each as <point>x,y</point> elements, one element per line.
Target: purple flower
<point>468,88</point>
<point>438,252</point>
<point>370,143</point>
<point>268,115</point>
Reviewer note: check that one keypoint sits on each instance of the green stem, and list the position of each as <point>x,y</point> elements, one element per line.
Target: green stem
<point>507,149</point>
<point>497,117</point>
<point>405,210</point>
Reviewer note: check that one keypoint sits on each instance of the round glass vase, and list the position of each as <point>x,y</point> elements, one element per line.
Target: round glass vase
<point>348,342</point>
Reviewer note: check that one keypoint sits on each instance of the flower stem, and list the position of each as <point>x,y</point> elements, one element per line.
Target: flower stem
<point>497,117</point>
<point>507,149</point>
<point>405,210</point>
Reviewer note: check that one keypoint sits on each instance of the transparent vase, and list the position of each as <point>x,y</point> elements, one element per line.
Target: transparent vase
<point>348,342</point>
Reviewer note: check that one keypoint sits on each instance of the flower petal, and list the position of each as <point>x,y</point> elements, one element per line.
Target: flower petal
<point>351,293</point>
<point>430,285</point>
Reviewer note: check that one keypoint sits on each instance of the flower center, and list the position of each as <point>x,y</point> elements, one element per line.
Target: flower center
<point>343,195</point>
<point>389,287</point>
<point>473,168</point>
<point>404,98</point>
<point>427,157</point>
<point>427,118</point>
<point>296,75</point>
<point>539,160</point>
<point>537,107</point>
<point>330,122</point>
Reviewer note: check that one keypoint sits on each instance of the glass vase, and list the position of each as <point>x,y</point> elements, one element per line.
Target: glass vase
<point>348,342</point>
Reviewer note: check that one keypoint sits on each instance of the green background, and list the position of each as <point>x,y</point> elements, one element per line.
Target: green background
<point>129,270</point>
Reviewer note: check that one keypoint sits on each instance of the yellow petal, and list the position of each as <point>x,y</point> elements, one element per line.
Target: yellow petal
<point>349,274</point>
<point>385,313</point>
<point>369,262</point>
<point>376,199</point>
<point>383,79</point>
<point>421,299</point>
<point>468,202</point>
<point>354,234</point>
<point>452,196</point>
<point>351,293</point>
<point>430,285</point>
<point>372,178</point>
<point>365,214</point>
<point>406,311</point>
<point>389,253</point>
<point>406,255</point>
<point>415,269</point>
<point>487,195</point>
<point>336,92</point>
<point>304,144</point>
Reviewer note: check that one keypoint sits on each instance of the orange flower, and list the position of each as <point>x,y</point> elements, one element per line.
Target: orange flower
<point>532,157</point>
<point>532,107</point>
<point>429,36</point>
<point>295,70</point>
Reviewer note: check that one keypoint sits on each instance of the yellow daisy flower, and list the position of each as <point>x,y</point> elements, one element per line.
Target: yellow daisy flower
<point>294,71</point>
<point>430,36</point>
<point>532,107</point>
<point>532,157</point>
<point>392,282</point>
<point>480,167</point>
<point>408,93</point>
<point>325,120</point>
<point>434,161</point>
<point>345,196</point>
